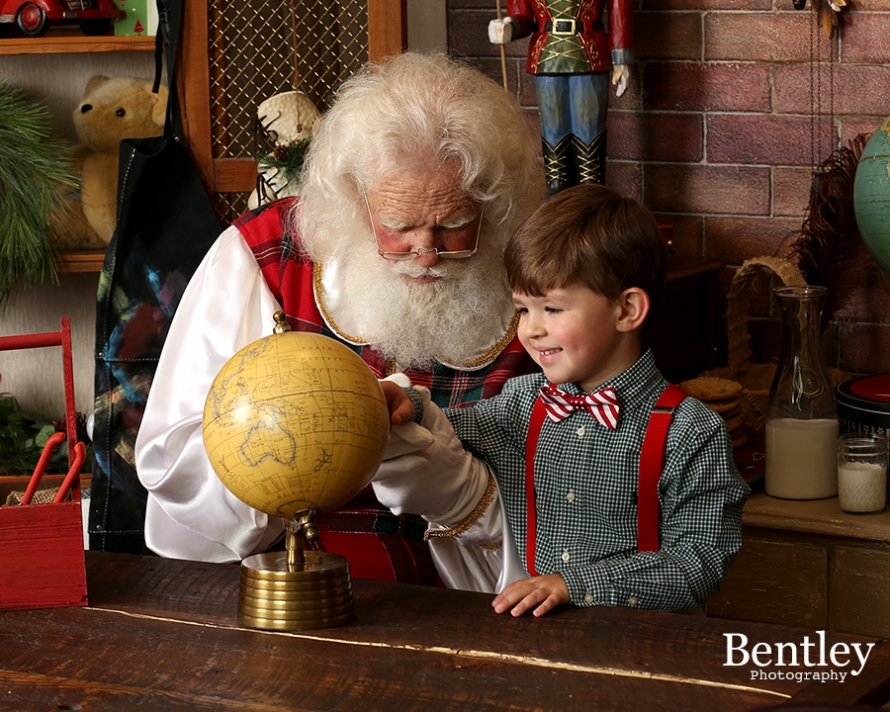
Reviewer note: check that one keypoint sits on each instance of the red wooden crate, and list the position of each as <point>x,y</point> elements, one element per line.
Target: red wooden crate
<point>41,545</point>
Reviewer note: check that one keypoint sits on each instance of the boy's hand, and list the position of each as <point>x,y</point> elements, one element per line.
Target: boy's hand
<point>541,593</point>
<point>401,409</point>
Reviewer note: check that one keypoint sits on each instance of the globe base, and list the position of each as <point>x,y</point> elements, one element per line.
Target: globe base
<point>275,595</point>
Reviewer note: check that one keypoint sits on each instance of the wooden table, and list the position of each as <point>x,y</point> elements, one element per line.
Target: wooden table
<point>162,635</point>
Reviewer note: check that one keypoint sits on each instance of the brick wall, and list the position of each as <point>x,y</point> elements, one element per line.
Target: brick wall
<point>730,105</point>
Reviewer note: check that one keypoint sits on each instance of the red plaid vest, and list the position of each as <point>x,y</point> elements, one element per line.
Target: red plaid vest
<point>378,544</point>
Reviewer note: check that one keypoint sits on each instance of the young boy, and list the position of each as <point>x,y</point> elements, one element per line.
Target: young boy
<point>587,272</point>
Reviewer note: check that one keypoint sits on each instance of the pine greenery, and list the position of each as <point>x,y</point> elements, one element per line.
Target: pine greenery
<point>34,175</point>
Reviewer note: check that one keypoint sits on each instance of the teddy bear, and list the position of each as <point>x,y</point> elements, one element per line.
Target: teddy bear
<point>112,109</point>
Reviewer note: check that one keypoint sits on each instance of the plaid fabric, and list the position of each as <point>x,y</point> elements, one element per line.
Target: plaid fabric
<point>378,544</point>
<point>585,485</point>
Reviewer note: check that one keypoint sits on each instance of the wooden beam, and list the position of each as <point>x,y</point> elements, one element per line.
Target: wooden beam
<point>194,87</point>
<point>387,28</point>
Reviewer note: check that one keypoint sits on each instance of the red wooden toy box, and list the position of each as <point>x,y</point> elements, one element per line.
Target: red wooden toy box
<point>41,545</point>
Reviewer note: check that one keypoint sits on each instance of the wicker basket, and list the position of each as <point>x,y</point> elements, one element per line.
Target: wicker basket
<point>755,379</point>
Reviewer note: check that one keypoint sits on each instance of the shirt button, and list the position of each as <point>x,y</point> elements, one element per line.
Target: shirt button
<point>570,495</point>
<point>581,432</point>
<point>633,601</point>
<point>588,598</point>
<point>566,556</point>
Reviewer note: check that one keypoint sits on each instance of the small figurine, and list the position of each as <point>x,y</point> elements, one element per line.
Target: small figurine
<point>570,56</point>
<point>287,120</point>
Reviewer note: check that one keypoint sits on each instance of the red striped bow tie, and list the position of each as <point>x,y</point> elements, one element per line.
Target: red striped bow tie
<point>602,404</point>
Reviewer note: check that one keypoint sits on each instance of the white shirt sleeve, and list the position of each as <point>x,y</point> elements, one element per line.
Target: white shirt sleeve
<point>190,513</point>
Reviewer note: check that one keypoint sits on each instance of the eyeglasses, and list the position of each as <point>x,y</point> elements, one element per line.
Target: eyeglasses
<point>420,251</point>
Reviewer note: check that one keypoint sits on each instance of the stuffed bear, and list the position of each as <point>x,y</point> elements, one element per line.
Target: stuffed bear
<point>112,109</point>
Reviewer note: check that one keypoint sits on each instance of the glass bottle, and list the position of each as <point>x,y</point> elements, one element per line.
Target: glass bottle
<point>801,419</point>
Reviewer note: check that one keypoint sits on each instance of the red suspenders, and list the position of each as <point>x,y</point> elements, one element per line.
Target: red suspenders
<point>651,465</point>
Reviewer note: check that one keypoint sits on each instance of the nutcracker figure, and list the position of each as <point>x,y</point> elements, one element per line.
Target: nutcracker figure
<point>571,56</point>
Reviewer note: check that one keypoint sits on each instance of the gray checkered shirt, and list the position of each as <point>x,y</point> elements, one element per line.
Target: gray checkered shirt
<point>586,488</point>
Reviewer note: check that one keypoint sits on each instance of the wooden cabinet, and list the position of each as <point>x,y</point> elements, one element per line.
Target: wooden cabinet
<point>809,564</point>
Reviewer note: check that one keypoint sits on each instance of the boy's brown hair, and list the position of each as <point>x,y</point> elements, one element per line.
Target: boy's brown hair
<point>589,235</point>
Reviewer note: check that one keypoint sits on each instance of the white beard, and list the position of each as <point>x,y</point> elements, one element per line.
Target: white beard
<point>452,320</point>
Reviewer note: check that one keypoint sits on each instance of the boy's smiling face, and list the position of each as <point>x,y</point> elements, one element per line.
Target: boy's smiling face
<point>576,335</point>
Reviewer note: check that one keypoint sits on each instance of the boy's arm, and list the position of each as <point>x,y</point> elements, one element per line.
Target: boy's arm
<point>702,496</point>
<point>401,409</point>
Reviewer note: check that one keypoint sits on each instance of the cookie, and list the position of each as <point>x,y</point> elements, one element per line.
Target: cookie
<point>707,388</point>
<point>724,407</point>
<point>740,440</point>
<point>735,424</point>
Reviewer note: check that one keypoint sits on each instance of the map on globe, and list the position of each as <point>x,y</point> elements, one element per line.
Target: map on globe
<point>871,196</point>
<point>295,422</point>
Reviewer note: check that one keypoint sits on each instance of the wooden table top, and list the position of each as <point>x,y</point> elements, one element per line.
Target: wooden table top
<point>160,634</point>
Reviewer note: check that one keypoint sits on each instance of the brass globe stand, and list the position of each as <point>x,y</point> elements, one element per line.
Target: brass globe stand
<point>296,589</point>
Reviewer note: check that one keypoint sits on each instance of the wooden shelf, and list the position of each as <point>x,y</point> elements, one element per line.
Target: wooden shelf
<point>81,260</point>
<point>65,42</point>
<point>817,516</point>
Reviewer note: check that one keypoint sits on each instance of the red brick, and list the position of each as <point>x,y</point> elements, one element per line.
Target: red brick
<point>708,5</point>
<point>791,191</point>
<point>668,35</point>
<point>688,232</point>
<point>655,136</point>
<point>860,294</point>
<point>527,94</point>
<point>734,240</point>
<point>766,139</point>
<point>864,348</point>
<point>865,6</point>
<point>758,36</point>
<point>625,177</point>
<point>468,36</point>
<point>534,121</point>
<point>851,128</point>
<point>686,188</point>
<point>865,37</point>
<point>715,87</point>
<point>491,68</point>
<point>844,89</point>
<point>633,95</point>
<point>476,5</point>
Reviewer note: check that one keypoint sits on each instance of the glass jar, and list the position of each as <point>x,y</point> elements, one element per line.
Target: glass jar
<point>801,419</point>
<point>862,473</point>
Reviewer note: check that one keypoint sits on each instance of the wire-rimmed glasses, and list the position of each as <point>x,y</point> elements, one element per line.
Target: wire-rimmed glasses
<point>420,251</point>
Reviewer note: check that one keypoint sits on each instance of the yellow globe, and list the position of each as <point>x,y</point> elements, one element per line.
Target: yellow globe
<point>294,422</point>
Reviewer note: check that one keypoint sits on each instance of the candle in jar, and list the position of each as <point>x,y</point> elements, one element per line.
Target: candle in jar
<point>862,487</point>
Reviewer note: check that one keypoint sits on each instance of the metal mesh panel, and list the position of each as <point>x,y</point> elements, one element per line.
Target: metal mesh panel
<point>252,58</point>
<point>229,206</point>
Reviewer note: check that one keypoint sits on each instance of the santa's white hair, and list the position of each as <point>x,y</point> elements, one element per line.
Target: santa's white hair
<point>411,113</point>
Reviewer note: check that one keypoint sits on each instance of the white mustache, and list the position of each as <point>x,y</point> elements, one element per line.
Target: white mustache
<point>415,271</point>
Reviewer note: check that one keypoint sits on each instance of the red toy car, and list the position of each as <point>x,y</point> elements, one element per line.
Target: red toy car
<point>32,17</point>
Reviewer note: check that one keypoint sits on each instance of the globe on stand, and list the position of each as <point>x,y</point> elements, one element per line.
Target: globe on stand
<point>871,197</point>
<point>295,424</point>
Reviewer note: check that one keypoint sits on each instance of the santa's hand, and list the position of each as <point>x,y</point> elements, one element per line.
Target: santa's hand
<point>426,470</point>
<point>620,75</point>
<point>500,31</point>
